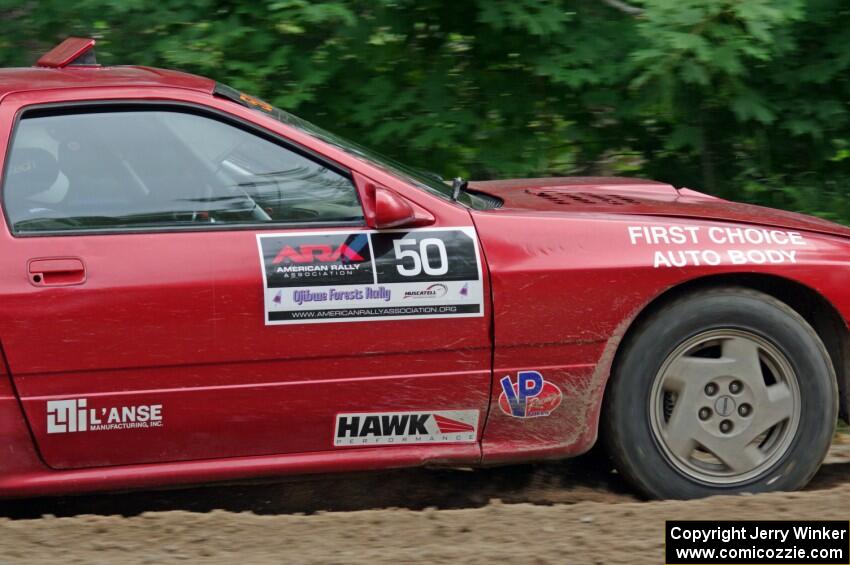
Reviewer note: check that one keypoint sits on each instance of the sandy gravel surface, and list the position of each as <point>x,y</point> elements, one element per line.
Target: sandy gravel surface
<point>540,517</point>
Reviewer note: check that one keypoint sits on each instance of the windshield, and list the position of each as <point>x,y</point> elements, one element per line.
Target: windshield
<point>429,181</point>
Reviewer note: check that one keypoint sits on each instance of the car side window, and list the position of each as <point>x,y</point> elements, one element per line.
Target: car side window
<point>145,168</point>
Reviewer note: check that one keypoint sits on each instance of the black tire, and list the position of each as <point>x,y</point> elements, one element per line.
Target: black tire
<point>632,439</point>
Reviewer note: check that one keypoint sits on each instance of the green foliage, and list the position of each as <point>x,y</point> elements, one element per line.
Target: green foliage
<point>745,99</point>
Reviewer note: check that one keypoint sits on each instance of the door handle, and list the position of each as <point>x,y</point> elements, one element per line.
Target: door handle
<point>57,271</point>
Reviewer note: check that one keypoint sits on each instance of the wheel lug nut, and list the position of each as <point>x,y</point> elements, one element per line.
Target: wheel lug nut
<point>704,413</point>
<point>726,426</point>
<point>711,389</point>
<point>745,410</point>
<point>735,387</point>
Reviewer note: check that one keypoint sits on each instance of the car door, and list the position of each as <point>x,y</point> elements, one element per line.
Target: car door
<point>161,262</point>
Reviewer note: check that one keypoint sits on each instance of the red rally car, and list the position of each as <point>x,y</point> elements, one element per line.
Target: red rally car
<point>197,286</point>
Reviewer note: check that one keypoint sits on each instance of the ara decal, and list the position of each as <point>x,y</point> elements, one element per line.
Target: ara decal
<point>529,395</point>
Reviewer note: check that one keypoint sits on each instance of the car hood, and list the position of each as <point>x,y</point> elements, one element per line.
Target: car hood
<point>615,195</point>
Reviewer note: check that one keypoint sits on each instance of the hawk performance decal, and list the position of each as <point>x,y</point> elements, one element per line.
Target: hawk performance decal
<point>405,428</point>
<point>339,276</point>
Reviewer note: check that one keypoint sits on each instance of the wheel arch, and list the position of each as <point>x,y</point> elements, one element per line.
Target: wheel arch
<point>811,305</point>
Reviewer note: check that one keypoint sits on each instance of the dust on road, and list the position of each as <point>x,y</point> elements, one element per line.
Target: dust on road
<point>555,513</point>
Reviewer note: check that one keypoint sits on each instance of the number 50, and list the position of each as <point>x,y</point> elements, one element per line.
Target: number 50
<point>420,259</point>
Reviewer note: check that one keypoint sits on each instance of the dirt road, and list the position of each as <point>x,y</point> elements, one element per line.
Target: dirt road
<point>555,513</point>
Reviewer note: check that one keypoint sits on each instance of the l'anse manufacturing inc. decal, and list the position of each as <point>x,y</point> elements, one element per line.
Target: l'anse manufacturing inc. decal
<point>405,428</point>
<point>76,415</point>
<point>369,275</point>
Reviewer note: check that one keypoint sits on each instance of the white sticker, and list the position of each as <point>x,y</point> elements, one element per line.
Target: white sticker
<point>351,276</point>
<point>405,428</point>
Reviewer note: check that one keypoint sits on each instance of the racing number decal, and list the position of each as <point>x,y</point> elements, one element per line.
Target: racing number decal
<point>421,261</point>
<point>426,256</point>
<point>337,276</point>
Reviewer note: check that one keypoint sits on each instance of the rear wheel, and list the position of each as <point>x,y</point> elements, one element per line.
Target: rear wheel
<point>724,391</point>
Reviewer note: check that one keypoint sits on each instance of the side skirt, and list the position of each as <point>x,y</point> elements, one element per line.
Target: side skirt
<point>45,482</point>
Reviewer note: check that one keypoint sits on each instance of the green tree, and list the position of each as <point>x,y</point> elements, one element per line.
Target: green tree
<point>742,99</point>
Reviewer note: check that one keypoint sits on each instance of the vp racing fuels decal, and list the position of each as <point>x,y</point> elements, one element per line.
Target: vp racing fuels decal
<point>339,276</point>
<point>529,396</point>
<point>405,428</point>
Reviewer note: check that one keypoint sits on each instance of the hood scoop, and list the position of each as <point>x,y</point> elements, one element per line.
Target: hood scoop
<point>564,197</point>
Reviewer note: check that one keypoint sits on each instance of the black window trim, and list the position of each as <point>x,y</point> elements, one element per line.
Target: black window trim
<point>130,104</point>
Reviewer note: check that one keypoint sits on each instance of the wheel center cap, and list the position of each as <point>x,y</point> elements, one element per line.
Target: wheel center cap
<point>724,405</point>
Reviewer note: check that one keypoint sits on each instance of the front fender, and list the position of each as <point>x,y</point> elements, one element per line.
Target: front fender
<point>566,288</point>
